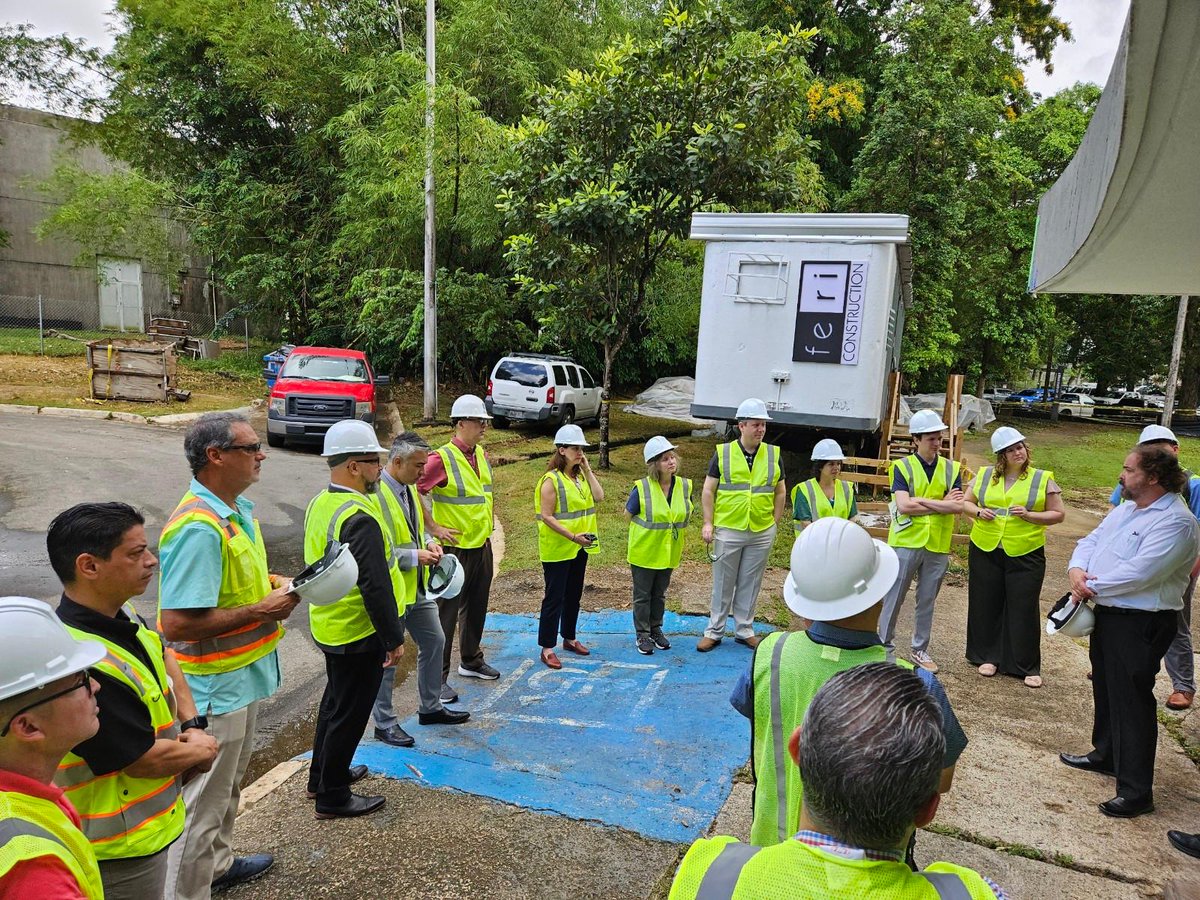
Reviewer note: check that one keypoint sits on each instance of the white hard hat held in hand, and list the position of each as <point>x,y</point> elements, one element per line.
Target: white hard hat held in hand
<point>838,570</point>
<point>330,578</point>
<point>351,436</point>
<point>827,450</point>
<point>752,408</point>
<point>468,406</point>
<point>1004,437</point>
<point>36,648</point>
<point>656,446</point>
<point>445,578</point>
<point>570,436</point>
<point>924,421</point>
<point>1071,617</point>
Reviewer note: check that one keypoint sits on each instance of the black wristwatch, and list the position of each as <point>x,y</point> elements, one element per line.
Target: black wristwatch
<point>200,722</point>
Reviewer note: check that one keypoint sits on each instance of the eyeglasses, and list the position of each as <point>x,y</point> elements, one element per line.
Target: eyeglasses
<point>249,448</point>
<point>368,462</point>
<point>85,682</point>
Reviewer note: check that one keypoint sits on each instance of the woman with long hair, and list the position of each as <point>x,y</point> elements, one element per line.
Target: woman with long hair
<point>1012,503</point>
<point>657,511</point>
<point>824,494</point>
<point>565,502</point>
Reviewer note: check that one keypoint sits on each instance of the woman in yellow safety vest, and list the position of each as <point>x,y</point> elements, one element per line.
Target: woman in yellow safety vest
<point>657,511</point>
<point>824,494</point>
<point>1012,504</point>
<point>565,504</point>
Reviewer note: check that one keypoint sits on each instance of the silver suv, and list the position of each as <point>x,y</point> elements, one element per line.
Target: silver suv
<point>536,387</point>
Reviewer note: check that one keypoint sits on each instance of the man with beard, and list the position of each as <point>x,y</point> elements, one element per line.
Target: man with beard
<point>363,632</point>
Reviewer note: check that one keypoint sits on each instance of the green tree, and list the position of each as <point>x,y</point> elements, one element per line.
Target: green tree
<point>619,156</point>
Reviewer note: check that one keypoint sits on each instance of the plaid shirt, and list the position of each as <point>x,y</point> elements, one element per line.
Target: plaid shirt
<point>837,848</point>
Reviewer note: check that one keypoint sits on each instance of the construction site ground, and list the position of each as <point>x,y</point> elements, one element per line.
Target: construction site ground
<point>1015,812</point>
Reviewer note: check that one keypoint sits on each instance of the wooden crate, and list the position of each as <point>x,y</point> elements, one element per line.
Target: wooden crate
<point>120,369</point>
<point>168,329</point>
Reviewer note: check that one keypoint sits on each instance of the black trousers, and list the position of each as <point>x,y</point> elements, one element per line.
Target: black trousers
<point>649,598</point>
<point>350,689</point>
<point>1004,625</point>
<point>560,605</point>
<point>1127,649</point>
<point>468,611</point>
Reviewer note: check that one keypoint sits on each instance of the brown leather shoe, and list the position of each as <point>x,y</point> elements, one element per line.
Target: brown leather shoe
<point>576,647</point>
<point>1181,700</point>
<point>753,641</point>
<point>706,643</point>
<point>550,658</point>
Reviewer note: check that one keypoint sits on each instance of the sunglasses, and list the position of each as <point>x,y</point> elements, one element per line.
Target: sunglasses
<point>249,448</point>
<point>368,462</point>
<point>85,682</point>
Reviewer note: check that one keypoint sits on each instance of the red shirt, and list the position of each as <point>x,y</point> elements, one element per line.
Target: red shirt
<point>46,877</point>
<point>434,474</point>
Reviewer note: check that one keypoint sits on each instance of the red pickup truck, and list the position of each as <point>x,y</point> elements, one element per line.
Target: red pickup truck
<point>317,386</point>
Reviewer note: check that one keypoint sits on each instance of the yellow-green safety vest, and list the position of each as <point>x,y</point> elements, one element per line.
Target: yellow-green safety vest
<point>465,501</point>
<point>244,580</point>
<point>818,504</point>
<point>345,620</point>
<point>789,668</point>
<point>573,507</point>
<point>932,532</point>
<point>32,828</point>
<point>723,868</point>
<point>1013,533</point>
<point>124,816</point>
<point>404,581</point>
<point>745,498</point>
<point>656,531</point>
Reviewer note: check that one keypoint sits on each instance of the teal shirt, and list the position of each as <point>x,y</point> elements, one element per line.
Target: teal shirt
<point>191,579</point>
<point>801,512</point>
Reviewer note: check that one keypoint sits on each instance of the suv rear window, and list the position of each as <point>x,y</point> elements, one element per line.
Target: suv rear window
<point>324,368</point>
<point>560,375</point>
<point>529,374</point>
<point>587,379</point>
<point>573,376</point>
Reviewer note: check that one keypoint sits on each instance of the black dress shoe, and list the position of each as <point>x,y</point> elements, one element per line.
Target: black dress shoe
<point>356,806</point>
<point>357,773</point>
<point>396,736</point>
<point>1086,763</point>
<point>1120,808</point>
<point>1187,843</point>
<point>443,717</point>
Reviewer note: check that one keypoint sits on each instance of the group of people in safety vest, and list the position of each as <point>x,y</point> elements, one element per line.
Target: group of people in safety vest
<point>122,746</point>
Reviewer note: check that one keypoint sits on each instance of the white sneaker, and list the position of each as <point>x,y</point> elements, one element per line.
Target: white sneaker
<point>924,660</point>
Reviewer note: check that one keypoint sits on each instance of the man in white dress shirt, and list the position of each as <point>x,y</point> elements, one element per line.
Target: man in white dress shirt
<point>1134,568</point>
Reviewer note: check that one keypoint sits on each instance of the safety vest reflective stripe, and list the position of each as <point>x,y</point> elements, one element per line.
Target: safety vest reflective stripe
<point>575,509</point>
<point>983,484</point>
<point>200,507</point>
<point>386,509</point>
<point>721,878</point>
<point>819,506</point>
<point>655,531</point>
<point>777,735</point>
<point>399,532</point>
<point>229,645</point>
<point>931,532</point>
<point>460,485</point>
<point>1016,535</point>
<point>727,484</point>
<point>464,502</point>
<point>22,840</point>
<point>745,491</point>
<point>102,828</point>
<point>567,514</point>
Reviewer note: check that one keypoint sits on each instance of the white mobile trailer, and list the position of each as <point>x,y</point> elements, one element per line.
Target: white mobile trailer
<point>805,312</point>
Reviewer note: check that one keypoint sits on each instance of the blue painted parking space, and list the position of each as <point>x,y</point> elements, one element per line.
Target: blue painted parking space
<point>647,743</point>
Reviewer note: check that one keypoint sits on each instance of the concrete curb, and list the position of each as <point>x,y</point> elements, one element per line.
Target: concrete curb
<point>18,408</point>
<point>189,418</point>
<point>68,412</point>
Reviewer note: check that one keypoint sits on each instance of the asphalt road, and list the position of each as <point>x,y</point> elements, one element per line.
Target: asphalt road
<point>48,464</point>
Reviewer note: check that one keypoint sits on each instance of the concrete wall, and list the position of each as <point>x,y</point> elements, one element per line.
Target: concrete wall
<point>32,144</point>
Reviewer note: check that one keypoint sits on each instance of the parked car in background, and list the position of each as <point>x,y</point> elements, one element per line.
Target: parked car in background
<point>1132,398</point>
<point>1075,404</point>
<point>1031,395</point>
<point>536,387</point>
<point>317,386</point>
<point>1108,397</point>
<point>996,395</point>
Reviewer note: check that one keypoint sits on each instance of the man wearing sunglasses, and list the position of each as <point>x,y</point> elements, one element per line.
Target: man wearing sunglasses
<point>220,609</point>
<point>46,708</point>
<point>126,781</point>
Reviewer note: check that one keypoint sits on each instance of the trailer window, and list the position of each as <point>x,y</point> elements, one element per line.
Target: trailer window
<point>757,278</point>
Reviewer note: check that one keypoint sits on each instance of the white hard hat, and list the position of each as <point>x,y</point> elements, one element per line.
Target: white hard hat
<point>468,406</point>
<point>351,436</point>
<point>36,648</point>
<point>1157,433</point>
<point>446,578</point>
<point>838,570</point>
<point>1004,437</point>
<point>924,421</point>
<point>1071,617</point>
<point>330,578</point>
<point>570,436</point>
<point>752,409</point>
<point>656,446</point>
<point>827,449</point>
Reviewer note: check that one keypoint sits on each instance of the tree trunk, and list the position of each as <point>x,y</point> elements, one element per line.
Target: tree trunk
<point>1049,375</point>
<point>604,403</point>
<point>1189,368</point>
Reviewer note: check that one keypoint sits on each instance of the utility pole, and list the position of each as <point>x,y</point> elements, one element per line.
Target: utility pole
<point>1176,351</point>
<point>430,405</point>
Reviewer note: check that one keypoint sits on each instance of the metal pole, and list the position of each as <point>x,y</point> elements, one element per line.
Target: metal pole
<point>430,374</point>
<point>246,322</point>
<point>41,328</point>
<point>1176,351</point>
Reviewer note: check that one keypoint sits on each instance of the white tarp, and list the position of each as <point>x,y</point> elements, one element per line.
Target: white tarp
<point>668,398</point>
<point>973,414</point>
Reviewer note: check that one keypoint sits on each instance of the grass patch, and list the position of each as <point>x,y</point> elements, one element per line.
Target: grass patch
<point>1173,725</point>
<point>24,341</point>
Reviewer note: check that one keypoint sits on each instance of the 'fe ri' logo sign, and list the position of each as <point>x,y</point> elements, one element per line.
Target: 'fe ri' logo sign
<point>829,314</point>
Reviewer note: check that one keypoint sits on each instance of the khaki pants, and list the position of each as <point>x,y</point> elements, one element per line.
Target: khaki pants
<point>737,578</point>
<point>205,849</point>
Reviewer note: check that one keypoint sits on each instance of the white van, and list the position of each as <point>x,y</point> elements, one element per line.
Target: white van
<point>536,387</point>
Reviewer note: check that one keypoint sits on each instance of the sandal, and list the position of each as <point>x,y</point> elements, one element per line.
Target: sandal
<point>987,670</point>
<point>1033,681</point>
<point>550,658</point>
<point>577,648</point>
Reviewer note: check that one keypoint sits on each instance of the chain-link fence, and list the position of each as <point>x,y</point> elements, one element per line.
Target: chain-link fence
<point>52,326</point>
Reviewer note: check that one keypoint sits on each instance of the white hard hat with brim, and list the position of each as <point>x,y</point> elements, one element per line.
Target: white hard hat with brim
<point>838,570</point>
